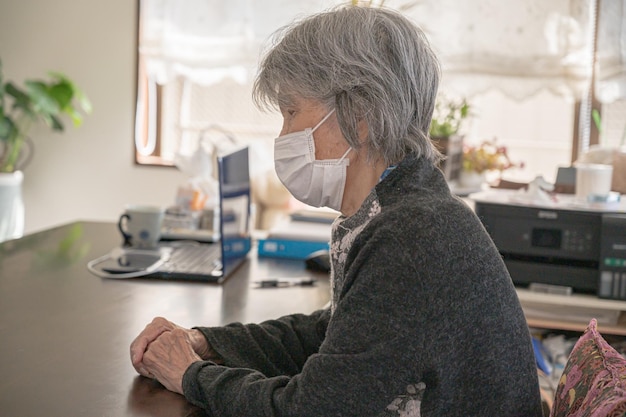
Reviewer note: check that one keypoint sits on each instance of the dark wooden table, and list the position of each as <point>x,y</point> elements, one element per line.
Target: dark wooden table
<point>65,333</point>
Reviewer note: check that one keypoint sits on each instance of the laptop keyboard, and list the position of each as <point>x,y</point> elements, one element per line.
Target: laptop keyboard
<point>193,259</point>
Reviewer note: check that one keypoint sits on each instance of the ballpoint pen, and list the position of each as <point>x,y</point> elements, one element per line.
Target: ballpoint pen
<point>285,282</point>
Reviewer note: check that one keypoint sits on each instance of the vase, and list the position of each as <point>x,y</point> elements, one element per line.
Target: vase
<point>472,179</point>
<point>452,149</point>
<point>11,205</point>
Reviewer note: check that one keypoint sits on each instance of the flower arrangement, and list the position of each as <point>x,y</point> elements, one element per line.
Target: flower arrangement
<point>488,156</point>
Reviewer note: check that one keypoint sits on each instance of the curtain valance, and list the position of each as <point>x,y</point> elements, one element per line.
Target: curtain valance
<point>518,47</point>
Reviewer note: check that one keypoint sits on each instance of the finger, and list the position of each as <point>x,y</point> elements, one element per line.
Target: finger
<point>144,372</point>
<point>152,331</point>
<point>169,357</point>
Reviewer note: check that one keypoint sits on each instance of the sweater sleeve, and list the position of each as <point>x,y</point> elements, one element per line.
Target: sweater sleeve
<point>274,347</point>
<point>358,368</point>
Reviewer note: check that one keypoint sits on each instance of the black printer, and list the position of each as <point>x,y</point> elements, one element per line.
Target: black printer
<point>581,246</point>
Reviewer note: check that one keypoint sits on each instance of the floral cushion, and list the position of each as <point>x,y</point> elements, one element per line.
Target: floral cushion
<point>593,383</point>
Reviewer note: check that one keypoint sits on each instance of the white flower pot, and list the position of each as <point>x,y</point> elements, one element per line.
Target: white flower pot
<point>472,179</point>
<point>11,206</point>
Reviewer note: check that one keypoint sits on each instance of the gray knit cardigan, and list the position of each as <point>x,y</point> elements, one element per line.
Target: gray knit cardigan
<point>425,322</point>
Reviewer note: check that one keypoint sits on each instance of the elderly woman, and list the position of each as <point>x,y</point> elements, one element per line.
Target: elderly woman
<point>424,319</point>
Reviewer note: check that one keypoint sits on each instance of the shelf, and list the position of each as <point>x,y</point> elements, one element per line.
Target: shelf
<point>617,329</point>
<point>573,312</point>
<point>574,300</point>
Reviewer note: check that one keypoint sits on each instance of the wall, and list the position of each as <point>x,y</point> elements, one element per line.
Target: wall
<point>86,173</point>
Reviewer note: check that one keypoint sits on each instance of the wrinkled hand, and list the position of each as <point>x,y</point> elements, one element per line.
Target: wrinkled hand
<point>164,350</point>
<point>168,357</point>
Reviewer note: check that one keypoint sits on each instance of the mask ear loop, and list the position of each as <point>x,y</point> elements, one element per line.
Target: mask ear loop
<point>344,156</point>
<point>320,123</point>
<point>323,120</point>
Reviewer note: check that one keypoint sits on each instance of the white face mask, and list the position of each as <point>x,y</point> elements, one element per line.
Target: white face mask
<point>318,183</point>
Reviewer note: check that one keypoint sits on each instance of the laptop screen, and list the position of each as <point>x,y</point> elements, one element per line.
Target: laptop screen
<point>235,224</point>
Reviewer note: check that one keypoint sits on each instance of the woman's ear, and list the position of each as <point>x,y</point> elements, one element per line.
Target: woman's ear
<point>363,131</point>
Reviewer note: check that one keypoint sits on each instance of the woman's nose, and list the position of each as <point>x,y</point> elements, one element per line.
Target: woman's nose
<point>285,129</point>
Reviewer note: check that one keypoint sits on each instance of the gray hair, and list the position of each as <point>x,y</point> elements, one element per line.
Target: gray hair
<point>369,64</point>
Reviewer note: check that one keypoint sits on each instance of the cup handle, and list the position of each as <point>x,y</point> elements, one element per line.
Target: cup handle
<point>127,237</point>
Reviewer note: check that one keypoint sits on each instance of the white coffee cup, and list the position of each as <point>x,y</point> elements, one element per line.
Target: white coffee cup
<point>593,180</point>
<point>141,226</point>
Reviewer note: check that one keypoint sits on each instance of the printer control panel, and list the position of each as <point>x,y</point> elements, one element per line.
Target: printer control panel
<point>568,239</point>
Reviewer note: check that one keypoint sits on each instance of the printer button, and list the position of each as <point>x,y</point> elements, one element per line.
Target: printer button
<point>606,284</point>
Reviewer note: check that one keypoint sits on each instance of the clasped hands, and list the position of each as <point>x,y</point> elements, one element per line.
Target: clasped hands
<point>164,351</point>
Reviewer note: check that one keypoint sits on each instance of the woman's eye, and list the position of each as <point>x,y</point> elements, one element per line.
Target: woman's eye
<point>288,112</point>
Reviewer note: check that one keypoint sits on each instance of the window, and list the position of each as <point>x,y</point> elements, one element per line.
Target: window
<point>196,66</point>
<point>533,71</point>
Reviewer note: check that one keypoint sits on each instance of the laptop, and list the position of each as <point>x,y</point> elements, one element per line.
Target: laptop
<point>201,261</point>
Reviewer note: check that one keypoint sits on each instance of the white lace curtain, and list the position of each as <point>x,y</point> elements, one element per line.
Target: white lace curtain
<point>522,47</point>
<point>611,54</point>
<point>518,47</point>
<point>208,40</point>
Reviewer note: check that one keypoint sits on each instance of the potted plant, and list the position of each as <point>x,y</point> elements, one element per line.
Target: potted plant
<point>486,157</point>
<point>21,108</point>
<point>447,120</point>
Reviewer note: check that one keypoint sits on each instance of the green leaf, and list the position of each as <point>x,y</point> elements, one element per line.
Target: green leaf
<point>60,77</point>
<point>43,102</point>
<point>18,94</point>
<point>7,128</point>
<point>55,123</point>
<point>76,93</point>
<point>21,101</point>
<point>62,93</point>
<point>83,101</point>
<point>76,117</point>
<point>597,120</point>
<point>447,116</point>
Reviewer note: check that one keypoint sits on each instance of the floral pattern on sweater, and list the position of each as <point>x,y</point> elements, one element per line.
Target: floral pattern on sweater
<point>409,404</point>
<point>344,232</point>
